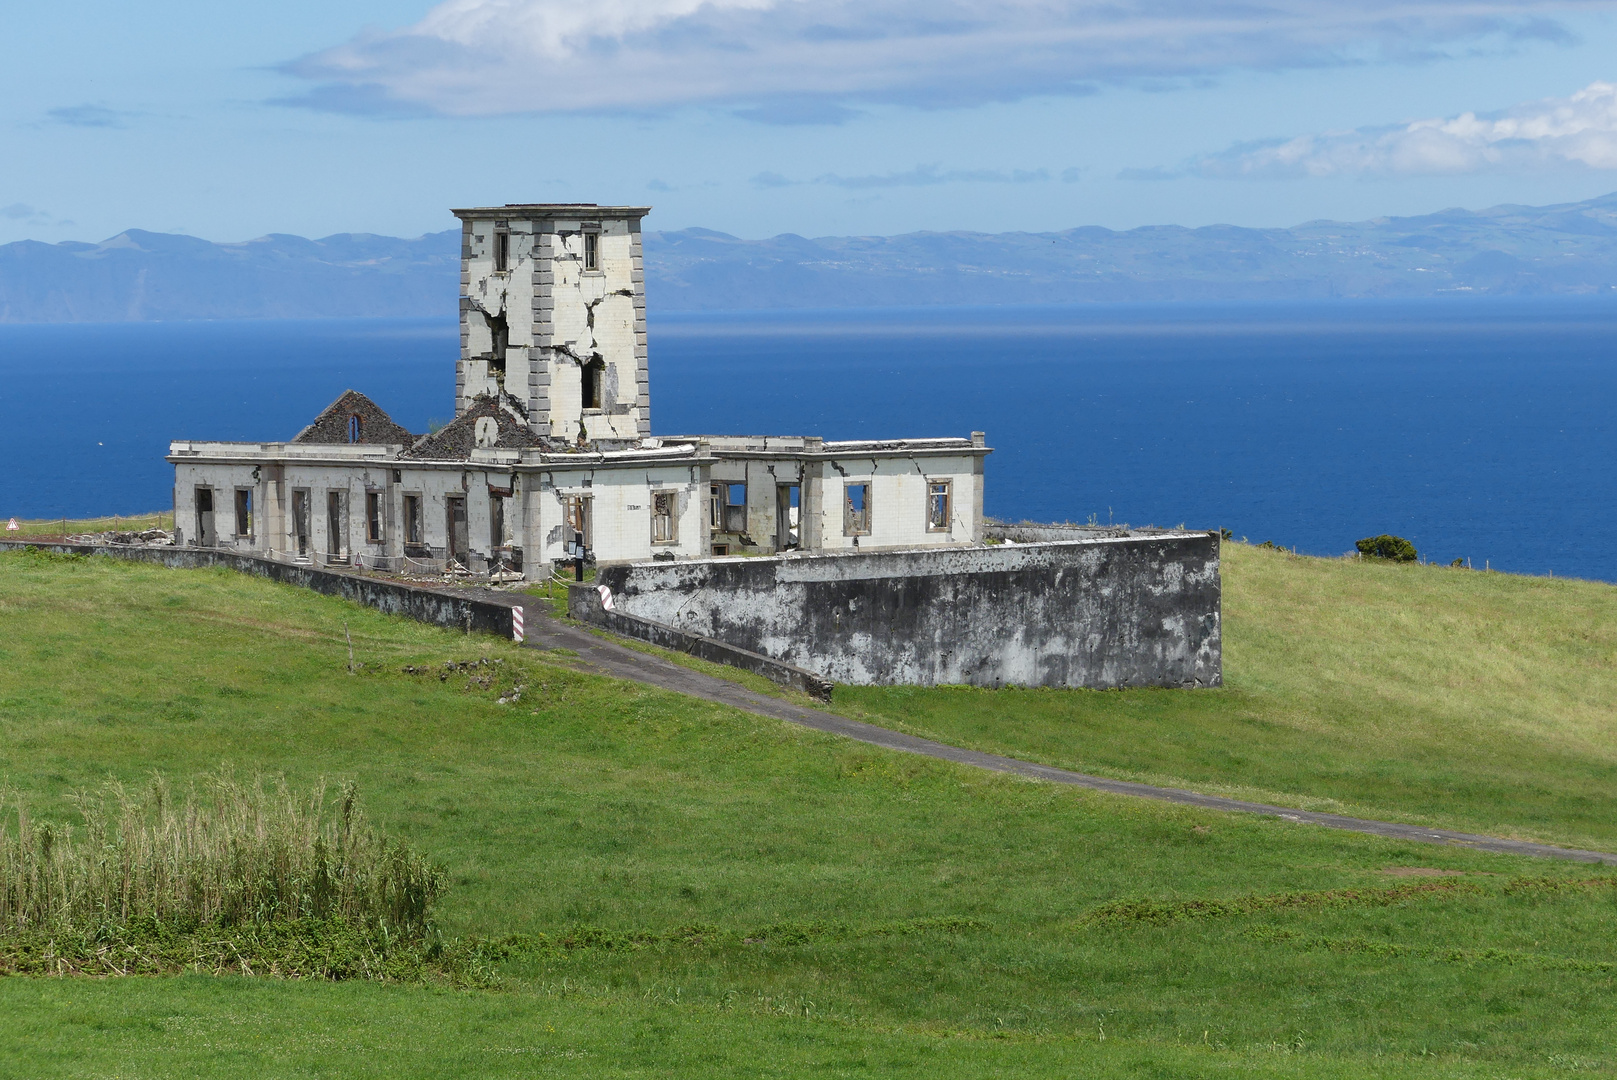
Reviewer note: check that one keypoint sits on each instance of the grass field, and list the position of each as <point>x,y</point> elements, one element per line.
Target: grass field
<point>857,913</point>
<point>1418,693</point>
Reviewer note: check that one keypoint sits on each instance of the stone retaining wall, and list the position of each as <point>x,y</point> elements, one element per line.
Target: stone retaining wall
<point>1103,612</point>
<point>584,604</point>
<point>395,598</point>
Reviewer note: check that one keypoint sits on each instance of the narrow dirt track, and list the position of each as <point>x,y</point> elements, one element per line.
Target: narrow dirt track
<point>609,658</point>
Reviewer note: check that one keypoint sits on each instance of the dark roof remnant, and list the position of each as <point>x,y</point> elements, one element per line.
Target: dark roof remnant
<point>334,425</point>
<point>456,441</point>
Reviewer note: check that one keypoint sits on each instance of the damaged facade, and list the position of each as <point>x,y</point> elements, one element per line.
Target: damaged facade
<point>551,446</point>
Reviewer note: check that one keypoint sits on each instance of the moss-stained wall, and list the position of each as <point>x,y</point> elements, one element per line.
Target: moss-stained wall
<point>1139,610</point>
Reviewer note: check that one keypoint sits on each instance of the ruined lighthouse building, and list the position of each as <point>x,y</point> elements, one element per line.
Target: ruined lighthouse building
<point>551,448</point>
<point>875,566</point>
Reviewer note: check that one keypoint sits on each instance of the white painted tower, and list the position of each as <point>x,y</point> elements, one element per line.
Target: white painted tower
<point>553,315</point>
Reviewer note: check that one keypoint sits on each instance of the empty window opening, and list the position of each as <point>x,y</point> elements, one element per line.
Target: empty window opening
<point>205,530</point>
<point>502,250</point>
<point>721,549</point>
<point>593,375</point>
<point>244,511</point>
<point>576,515</point>
<point>412,520</point>
<point>336,525</point>
<point>496,522</point>
<point>455,536</point>
<point>786,516</point>
<point>373,516</point>
<point>937,505</point>
<point>300,521</point>
<point>735,508</point>
<point>592,251</point>
<point>715,506</point>
<point>856,510</point>
<point>499,337</point>
<point>664,517</point>
<point>356,428</point>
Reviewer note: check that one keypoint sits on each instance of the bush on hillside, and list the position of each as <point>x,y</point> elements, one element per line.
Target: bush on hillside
<point>1395,548</point>
<point>228,855</point>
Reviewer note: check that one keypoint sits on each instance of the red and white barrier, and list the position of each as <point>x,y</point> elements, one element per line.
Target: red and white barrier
<point>516,625</point>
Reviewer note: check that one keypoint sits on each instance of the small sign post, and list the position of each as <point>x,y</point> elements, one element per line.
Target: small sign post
<point>516,625</point>
<point>12,526</point>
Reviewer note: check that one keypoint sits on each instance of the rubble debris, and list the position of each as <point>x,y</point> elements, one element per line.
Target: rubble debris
<point>141,538</point>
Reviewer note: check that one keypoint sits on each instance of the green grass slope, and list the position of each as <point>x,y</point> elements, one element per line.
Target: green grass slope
<point>1485,702</point>
<point>804,906</point>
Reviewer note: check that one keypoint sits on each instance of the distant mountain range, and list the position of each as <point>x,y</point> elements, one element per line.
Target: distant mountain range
<point>1506,250</point>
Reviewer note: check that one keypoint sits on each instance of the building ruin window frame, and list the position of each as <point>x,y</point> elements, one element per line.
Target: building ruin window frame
<point>302,514</point>
<point>669,517</point>
<point>723,507</point>
<point>244,512</point>
<point>414,519</point>
<point>590,254</point>
<point>577,509</point>
<point>932,525</point>
<point>375,527</point>
<point>857,522</point>
<point>356,428</point>
<point>501,244</point>
<point>592,385</point>
<point>339,513</point>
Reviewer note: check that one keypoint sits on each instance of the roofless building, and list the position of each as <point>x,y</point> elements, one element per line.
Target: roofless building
<point>552,447</point>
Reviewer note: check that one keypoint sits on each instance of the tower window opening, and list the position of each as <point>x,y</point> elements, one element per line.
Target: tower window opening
<point>499,333</point>
<point>592,251</point>
<point>592,375</point>
<point>502,251</point>
<point>355,428</point>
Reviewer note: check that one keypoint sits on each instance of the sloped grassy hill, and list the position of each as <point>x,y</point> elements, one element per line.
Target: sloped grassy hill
<point>1485,702</point>
<point>815,907</point>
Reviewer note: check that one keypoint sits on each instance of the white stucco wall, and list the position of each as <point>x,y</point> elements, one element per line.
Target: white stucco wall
<point>620,492</point>
<point>898,501</point>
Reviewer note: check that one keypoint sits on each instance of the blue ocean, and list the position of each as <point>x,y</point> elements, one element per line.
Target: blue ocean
<point>1478,429</point>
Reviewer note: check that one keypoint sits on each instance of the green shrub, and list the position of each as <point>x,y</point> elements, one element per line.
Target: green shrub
<point>229,855</point>
<point>1395,548</point>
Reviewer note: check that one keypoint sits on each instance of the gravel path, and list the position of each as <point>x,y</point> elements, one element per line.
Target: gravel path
<point>610,658</point>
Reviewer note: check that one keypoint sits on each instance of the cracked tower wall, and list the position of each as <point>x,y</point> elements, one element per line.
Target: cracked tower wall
<point>553,313</point>
<point>1140,610</point>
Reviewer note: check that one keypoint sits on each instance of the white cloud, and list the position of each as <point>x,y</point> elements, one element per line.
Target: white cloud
<point>805,60</point>
<point>1579,130</point>
<point>30,215</point>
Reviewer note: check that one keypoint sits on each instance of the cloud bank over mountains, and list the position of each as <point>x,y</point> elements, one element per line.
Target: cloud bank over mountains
<point>1579,131</point>
<point>795,61</point>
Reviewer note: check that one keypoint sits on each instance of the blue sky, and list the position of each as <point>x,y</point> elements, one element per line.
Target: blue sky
<point>819,117</point>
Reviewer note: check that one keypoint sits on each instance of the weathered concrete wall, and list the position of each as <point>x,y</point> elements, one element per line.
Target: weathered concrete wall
<point>1102,613</point>
<point>393,598</point>
<point>584,604</point>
